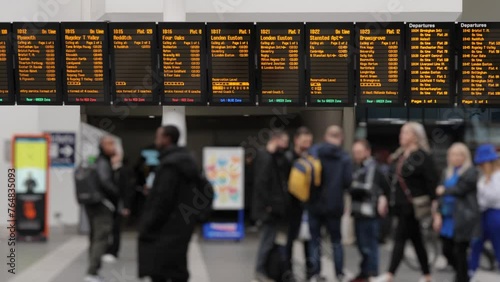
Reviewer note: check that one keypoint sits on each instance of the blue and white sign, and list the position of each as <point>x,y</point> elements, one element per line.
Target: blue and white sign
<point>62,149</point>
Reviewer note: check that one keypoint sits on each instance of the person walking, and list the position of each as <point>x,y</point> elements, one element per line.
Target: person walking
<point>326,203</point>
<point>457,218</point>
<point>269,203</point>
<point>368,193</point>
<point>100,215</point>
<point>414,178</point>
<point>169,215</point>
<point>488,193</point>
<point>302,141</point>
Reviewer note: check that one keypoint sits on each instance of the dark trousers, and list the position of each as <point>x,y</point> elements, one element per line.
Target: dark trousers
<point>101,221</point>
<point>333,226</point>
<point>267,238</point>
<point>114,246</point>
<point>456,254</point>
<point>294,224</point>
<point>408,228</point>
<point>161,279</point>
<point>490,231</point>
<point>367,232</point>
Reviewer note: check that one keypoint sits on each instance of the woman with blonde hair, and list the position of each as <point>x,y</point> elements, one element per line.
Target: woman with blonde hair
<point>458,216</point>
<point>414,181</point>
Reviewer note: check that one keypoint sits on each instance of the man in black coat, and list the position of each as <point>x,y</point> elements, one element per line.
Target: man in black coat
<point>170,212</point>
<point>269,204</point>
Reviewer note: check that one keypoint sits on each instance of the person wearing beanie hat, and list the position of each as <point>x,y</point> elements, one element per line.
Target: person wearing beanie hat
<point>488,194</point>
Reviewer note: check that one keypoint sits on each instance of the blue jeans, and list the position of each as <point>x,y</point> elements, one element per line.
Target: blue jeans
<point>367,231</point>
<point>491,231</point>
<point>333,226</point>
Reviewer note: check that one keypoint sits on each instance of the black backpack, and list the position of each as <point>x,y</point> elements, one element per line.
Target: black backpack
<point>88,186</point>
<point>276,264</point>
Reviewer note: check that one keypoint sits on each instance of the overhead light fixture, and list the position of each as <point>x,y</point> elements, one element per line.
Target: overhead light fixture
<point>151,116</point>
<point>246,115</point>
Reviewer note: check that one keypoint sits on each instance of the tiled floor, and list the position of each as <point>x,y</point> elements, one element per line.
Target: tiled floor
<point>209,261</point>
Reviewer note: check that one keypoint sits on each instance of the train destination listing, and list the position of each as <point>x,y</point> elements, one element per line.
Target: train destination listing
<point>134,72</point>
<point>230,64</point>
<point>279,63</point>
<point>330,70</point>
<point>5,95</point>
<point>430,63</point>
<point>380,64</point>
<point>85,64</point>
<point>480,61</point>
<point>37,64</point>
<point>182,53</point>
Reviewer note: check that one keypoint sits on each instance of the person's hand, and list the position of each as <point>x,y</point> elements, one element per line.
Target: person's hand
<point>437,223</point>
<point>125,212</point>
<point>383,206</point>
<point>440,190</point>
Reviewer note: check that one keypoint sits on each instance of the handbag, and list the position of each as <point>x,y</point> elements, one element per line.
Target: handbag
<point>422,205</point>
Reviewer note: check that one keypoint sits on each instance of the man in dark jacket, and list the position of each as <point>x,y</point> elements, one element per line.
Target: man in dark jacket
<point>269,205</point>
<point>170,212</point>
<point>369,201</point>
<point>101,215</point>
<point>326,204</point>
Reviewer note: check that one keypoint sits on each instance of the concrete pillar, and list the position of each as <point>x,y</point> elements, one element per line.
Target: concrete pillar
<point>175,11</point>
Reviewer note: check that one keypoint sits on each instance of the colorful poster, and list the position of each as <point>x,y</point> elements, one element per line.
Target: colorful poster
<point>31,162</point>
<point>224,168</point>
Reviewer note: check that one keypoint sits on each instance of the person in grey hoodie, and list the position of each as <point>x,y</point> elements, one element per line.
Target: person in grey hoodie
<point>326,203</point>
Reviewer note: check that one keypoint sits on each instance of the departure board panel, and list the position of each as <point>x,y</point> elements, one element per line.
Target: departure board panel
<point>231,60</point>
<point>7,96</point>
<point>431,66</point>
<point>479,61</point>
<point>37,48</point>
<point>182,53</point>
<point>380,64</point>
<point>330,77</point>
<point>86,70</point>
<point>280,63</point>
<point>134,72</point>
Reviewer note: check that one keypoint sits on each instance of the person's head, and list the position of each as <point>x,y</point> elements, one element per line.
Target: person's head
<point>413,134</point>
<point>166,136</point>
<point>279,140</point>
<point>361,150</point>
<point>458,157</point>
<point>334,135</point>
<point>302,140</point>
<point>486,158</point>
<point>107,146</point>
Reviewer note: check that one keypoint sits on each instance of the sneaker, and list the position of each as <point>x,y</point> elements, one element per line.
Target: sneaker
<point>360,278</point>
<point>317,278</point>
<point>107,258</point>
<point>381,278</point>
<point>93,278</point>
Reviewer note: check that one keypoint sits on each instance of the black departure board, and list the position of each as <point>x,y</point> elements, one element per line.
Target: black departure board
<point>479,61</point>
<point>280,63</point>
<point>86,69</point>
<point>7,96</point>
<point>231,60</point>
<point>380,65</point>
<point>38,76</point>
<point>430,60</point>
<point>182,59</point>
<point>134,73</point>
<point>330,68</point>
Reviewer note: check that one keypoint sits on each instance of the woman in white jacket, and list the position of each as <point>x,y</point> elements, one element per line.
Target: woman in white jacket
<point>488,194</point>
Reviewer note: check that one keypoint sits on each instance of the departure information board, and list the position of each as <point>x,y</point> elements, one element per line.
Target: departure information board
<point>37,66</point>
<point>6,71</point>
<point>430,58</point>
<point>231,62</point>
<point>135,77</point>
<point>479,82</point>
<point>380,63</point>
<point>330,77</point>
<point>280,63</point>
<point>182,48</point>
<point>86,70</point>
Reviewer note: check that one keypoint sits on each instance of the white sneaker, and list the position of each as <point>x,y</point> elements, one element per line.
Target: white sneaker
<point>107,258</point>
<point>93,278</point>
<point>381,278</point>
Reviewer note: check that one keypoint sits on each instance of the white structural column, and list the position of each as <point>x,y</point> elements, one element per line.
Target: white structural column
<point>175,11</point>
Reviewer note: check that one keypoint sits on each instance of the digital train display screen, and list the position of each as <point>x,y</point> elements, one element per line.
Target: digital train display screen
<point>7,96</point>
